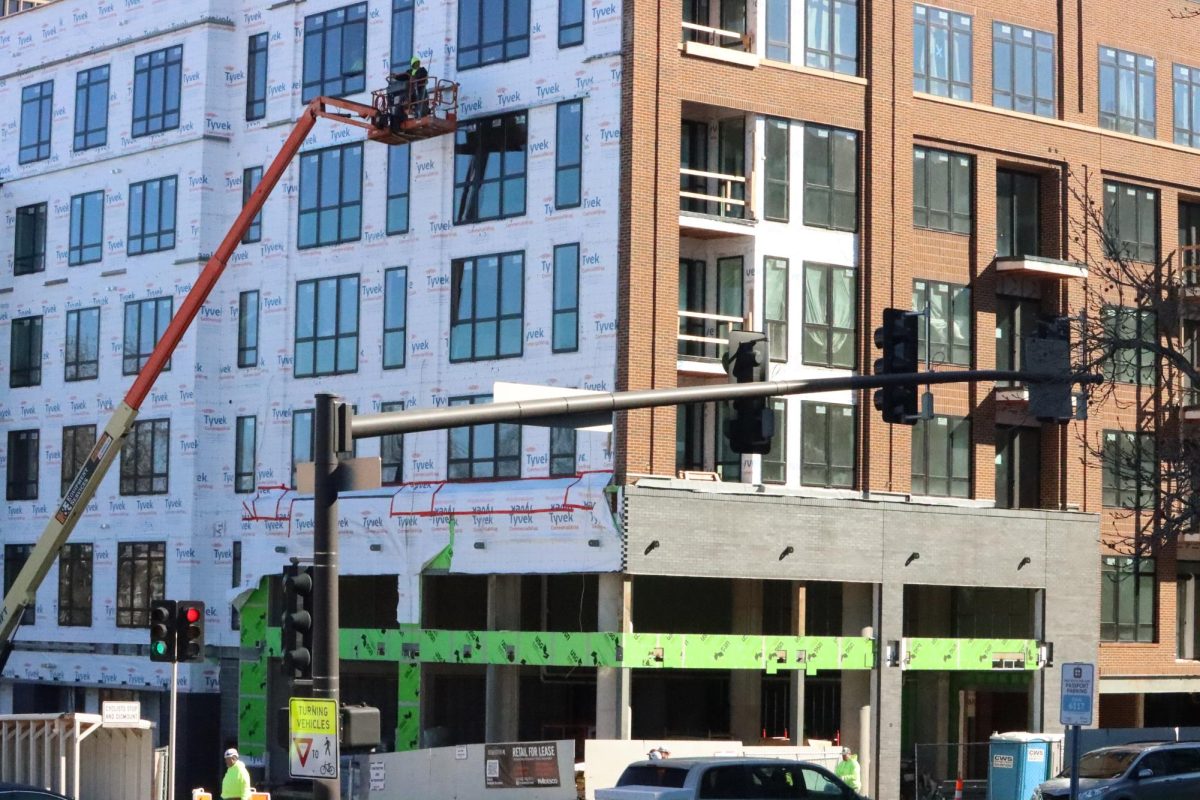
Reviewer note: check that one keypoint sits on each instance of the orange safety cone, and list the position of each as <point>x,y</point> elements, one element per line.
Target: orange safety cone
<point>958,788</point>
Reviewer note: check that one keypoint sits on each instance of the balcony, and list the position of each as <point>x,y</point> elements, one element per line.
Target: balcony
<point>703,338</point>
<point>1040,267</point>
<point>714,205</point>
<point>1189,266</point>
<point>706,41</point>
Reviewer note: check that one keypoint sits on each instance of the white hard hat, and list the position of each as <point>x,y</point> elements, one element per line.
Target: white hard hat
<point>231,753</point>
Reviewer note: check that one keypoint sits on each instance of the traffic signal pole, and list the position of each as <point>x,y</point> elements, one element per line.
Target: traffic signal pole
<point>325,667</point>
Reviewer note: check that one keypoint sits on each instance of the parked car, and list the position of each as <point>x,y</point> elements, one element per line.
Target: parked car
<point>1141,771</point>
<point>725,778</point>
<point>12,791</point>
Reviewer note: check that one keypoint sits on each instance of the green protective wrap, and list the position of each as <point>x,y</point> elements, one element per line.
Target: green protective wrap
<point>977,655</point>
<point>252,674</point>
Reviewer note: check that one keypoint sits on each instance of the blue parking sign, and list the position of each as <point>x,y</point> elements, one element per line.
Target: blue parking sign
<point>1077,692</point>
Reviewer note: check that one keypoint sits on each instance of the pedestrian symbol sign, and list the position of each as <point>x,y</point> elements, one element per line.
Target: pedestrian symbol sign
<point>312,737</point>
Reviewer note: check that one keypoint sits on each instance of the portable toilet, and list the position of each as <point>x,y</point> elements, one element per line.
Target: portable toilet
<point>1018,762</point>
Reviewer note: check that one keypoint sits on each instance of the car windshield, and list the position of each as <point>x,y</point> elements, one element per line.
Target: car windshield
<point>1104,764</point>
<point>666,777</point>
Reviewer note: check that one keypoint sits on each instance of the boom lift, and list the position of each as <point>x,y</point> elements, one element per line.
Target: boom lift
<point>425,109</point>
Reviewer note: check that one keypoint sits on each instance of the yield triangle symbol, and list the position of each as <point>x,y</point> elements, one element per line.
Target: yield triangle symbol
<point>303,748</point>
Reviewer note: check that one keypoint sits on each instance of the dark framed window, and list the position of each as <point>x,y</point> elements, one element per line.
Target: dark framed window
<point>491,31</point>
<point>395,317</point>
<point>1126,599</point>
<point>487,315</point>
<point>327,326</point>
<point>391,449</point>
<point>1131,222</point>
<point>303,422</point>
<point>77,444</point>
<point>1186,88</point>
<point>335,52</point>
<point>1189,237</point>
<point>568,158</point>
<point>25,352</point>
<point>941,457</point>
<point>91,108</point>
<point>1017,217</point>
<point>827,445</point>
<point>245,447</point>
<point>75,586</point>
<point>1016,321</point>
<point>1130,335</point>
<point>141,579</point>
<point>941,52</point>
<point>774,463</point>
<point>949,321</point>
<point>235,567</point>
<point>82,349</point>
<point>483,451</point>
<point>570,23</point>
<point>1126,92</point>
<point>15,556</point>
<point>402,34</point>
<point>1018,467</point>
<point>779,29</point>
<point>145,323</point>
<point>689,437</point>
<point>489,168</point>
<point>151,216</point>
<point>726,463</point>
<point>398,188</point>
<point>29,247</point>
<point>37,110</point>
<point>248,329</point>
<point>1023,69</point>
<point>941,190</point>
<point>23,465</point>
<point>251,177</point>
<point>565,334</point>
<point>87,229</point>
<point>330,196</point>
<point>830,178</point>
<point>562,452</point>
<point>256,76</point>
<point>775,305</point>
<point>146,458</point>
<point>1130,470</point>
<point>832,35</point>
<point>777,169</point>
<point>156,86</point>
<point>829,314</point>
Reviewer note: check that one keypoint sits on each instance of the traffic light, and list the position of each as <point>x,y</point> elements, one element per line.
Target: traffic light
<point>189,631</point>
<point>297,620</point>
<point>1049,353</point>
<point>752,424</point>
<point>162,630</point>
<point>897,338</point>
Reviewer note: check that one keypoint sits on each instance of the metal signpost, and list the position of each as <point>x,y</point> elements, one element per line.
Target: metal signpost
<point>1077,690</point>
<point>313,738</point>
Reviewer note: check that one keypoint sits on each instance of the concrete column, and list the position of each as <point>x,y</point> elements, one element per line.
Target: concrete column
<point>614,718</point>
<point>857,685</point>
<point>887,694</point>
<point>799,612</point>
<point>745,685</point>
<point>503,682</point>
<point>1037,684</point>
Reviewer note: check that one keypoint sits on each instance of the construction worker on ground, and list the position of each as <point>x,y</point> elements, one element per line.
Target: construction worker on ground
<point>848,770</point>
<point>418,77</point>
<point>236,783</point>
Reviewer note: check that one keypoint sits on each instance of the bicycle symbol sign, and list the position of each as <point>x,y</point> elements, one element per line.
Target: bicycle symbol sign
<point>313,740</point>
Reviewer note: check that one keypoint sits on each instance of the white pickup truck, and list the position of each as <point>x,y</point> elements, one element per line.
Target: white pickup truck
<point>727,779</point>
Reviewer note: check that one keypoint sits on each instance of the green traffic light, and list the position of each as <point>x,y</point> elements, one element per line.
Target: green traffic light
<point>160,647</point>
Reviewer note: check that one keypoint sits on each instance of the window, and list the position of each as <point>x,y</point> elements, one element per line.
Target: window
<point>330,196</point>
<point>248,329</point>
<point>1016,320</point>
<point>1187,105</point>
<point>235,618</point>
<point>145,323</point>
<point>29,248</point>
<point>827,445</point>
<point>487,315</point>
<point>829,308</point>
<point>727,463</point>
<point>779,34</point>
<point>395,317</point>
<point>483,451</point>
<point>302,438</point>
<point>335,52</point>
<point>87,229</point>
<point>397,191</point>
<point>75,585</point>
<point>327,326</point>
<point>777,168</point>
<point>251,177</point>
<point>145,457</point>
<point>941,457</point>
<point>562,452</point>
<point>37,110</point>
<point>941,190</point>
<point>141,579</point>
<point>1023,69</point>
<point>82,349</point>
<point>156,83</point>
<point>245,446</point>
<point>568,160</point>
<point>1189,240</point>
<point>775,305</point>
<point>402,34</point>
<point>1018,467</point>
<point>256,77</point>
<point>490,31</point>
<point>689,437</point>
<point>1126,599</point>
<point>1126,92</point>
<point>949,321</point>
<point>15,556</point>
<point>151,216</point>
<point>570,23</point>
<point>1016,213</point>
<point>1131,222</point>
<point>78,441</point>
<point>23,465</point>
<point>391,449</point>
<point>1130,467</point>
<point>489,169</point>
<point>25,352</point>
<point>565,335</point>
<point>91,108</point>
<point>774,463</point>
<point>941,52</point>
<point>1130,336</point>
<point>830,178</point>
<point>832,41</point>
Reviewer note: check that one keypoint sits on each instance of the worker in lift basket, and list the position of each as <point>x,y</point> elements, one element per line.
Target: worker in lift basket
<point>848,770</point>
<point>397,95</point>
<point>418,78</point>
<point>236,783</point>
